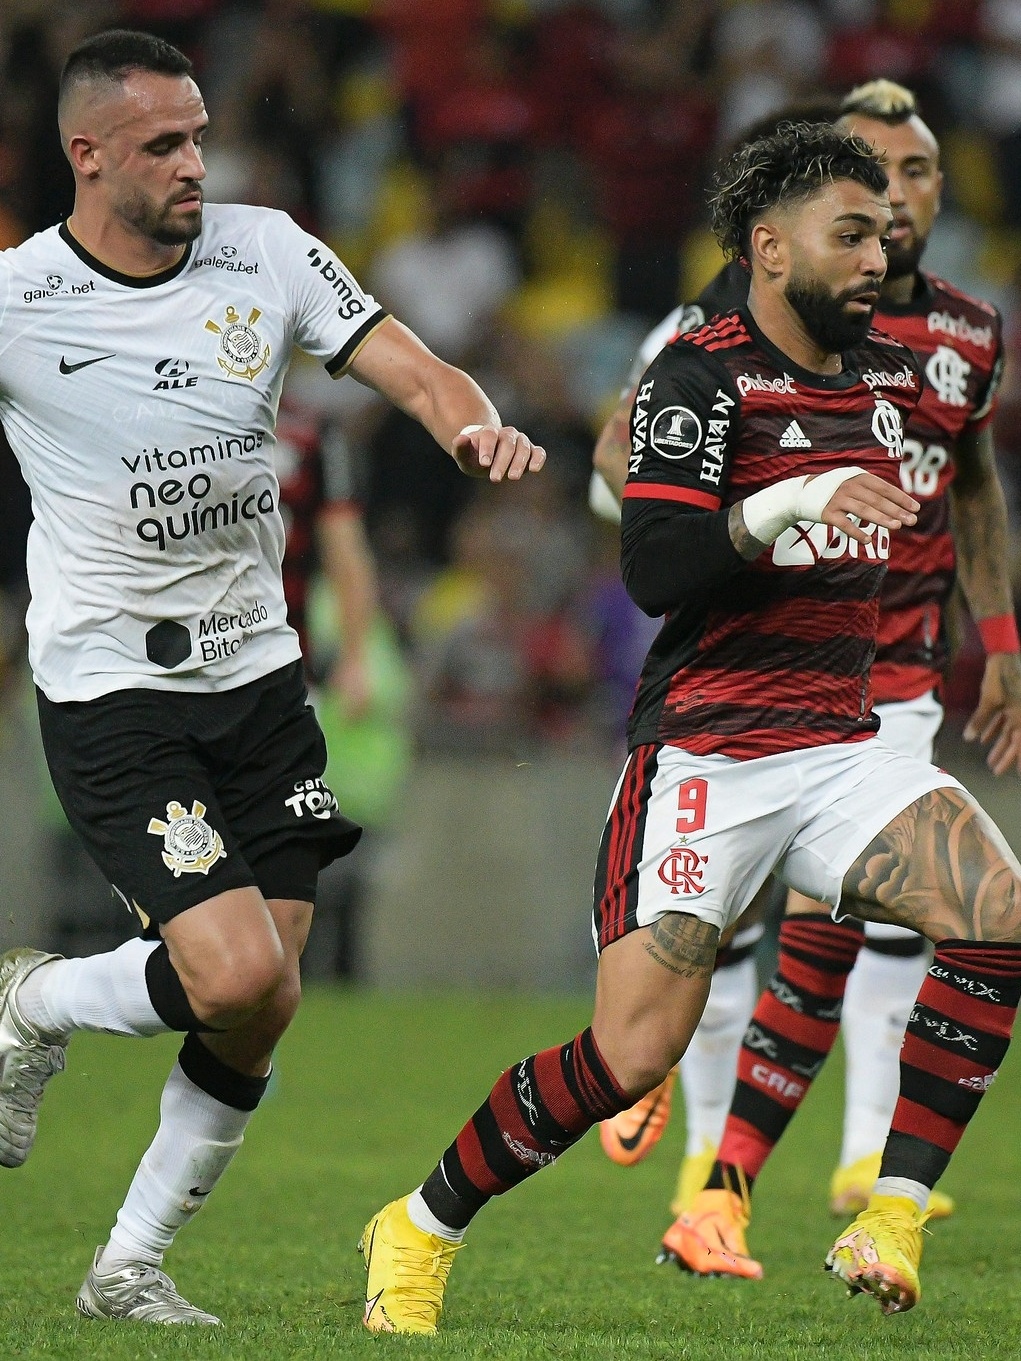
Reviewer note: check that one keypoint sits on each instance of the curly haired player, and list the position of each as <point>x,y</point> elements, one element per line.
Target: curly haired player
<point>753,744</point>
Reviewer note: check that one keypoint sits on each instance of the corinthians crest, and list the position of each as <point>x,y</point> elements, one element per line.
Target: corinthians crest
<point>190,846</point>
<point>243,353</point>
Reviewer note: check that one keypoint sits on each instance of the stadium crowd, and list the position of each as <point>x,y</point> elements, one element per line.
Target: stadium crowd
<point>522,181</point>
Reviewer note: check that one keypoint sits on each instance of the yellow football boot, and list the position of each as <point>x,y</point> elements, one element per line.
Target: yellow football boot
<point>880,1253</point>
<point>708,1239</point>
<point>407,1272</point>
<point>693,1175</point>
<point>851,1186</point>
<point>627,1137</point>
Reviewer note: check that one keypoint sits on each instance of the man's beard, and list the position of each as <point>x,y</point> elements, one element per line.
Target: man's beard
<point>155,223</point>
<point>904,257</point>
<point>823,316</point>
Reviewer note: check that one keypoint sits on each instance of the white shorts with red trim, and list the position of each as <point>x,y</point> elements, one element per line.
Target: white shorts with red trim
<point>700,834</point>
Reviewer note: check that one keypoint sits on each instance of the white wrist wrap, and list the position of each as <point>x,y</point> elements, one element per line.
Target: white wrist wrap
<point>769,512</point>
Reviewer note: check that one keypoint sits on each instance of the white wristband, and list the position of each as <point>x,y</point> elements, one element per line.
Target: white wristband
<point>468,430</point>
<point>769,512</point>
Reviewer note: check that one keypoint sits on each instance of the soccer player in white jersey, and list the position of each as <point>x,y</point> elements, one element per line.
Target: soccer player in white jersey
<point>143,344</point>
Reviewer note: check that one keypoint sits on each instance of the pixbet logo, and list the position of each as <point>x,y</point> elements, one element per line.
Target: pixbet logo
<point>312,796</point>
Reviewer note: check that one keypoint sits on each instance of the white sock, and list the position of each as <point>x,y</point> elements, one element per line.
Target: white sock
<point>105,992</point>
<point>196,1139</point>
<point>903,1187</point>
<point>423,1218</point>
<point>709,1067</point>
<point>881,991</point>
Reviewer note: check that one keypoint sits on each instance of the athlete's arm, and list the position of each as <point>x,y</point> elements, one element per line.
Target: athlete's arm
<point>671,553</point>
<point>609,458</point>
<point>351,574</point>
<point>979,514</point>
<point>451,406</point>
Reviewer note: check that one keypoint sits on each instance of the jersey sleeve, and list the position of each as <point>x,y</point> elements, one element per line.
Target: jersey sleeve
<point>331,315</point>
<point>683,428</point>
<point>985,398</point>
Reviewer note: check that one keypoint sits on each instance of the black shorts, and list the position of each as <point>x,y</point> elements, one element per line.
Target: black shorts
<point>179,797</point>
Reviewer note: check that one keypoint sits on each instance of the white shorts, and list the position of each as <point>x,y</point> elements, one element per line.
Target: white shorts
<point>699,834</point>
<point>910,725</point>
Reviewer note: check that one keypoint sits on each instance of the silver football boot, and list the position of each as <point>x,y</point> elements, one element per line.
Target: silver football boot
<point>28,1060</point>
<point>142,1293</point>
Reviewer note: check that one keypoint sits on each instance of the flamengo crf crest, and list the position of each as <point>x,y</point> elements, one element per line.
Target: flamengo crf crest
<point>190,845</point>
<point>245,353</point>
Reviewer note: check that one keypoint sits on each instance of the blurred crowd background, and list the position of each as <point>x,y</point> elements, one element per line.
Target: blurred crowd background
<point>521,182</point>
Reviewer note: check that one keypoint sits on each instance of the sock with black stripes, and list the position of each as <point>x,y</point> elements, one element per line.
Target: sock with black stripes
<point>708,1068</point>
<point>791,1031</point>
<point>536,1110</point>
<point>880,994</point>
<point>204,1110</point>
<point>956,1039</point>
<point>107,992</point>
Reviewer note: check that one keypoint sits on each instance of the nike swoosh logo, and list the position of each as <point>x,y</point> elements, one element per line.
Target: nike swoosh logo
<point>65,367</point>
<point>632,1142</point>
<point>196,1192</point>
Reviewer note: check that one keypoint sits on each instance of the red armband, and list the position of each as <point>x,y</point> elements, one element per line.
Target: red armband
<point>999,633</point>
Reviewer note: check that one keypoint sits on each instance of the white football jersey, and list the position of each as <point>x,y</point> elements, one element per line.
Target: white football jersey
<point>142,414</point>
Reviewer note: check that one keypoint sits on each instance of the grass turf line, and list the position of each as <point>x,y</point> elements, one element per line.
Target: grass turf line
<point>369,1089</point>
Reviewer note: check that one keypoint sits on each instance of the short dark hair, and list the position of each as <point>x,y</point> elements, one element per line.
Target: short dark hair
<point>884,100</point>
<point>113,55</point>
<point>791,165</point>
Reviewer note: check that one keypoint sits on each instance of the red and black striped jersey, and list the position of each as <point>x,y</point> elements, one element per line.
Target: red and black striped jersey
<point>315,471</point>
<point>957,341</point>
<point>782,661</point>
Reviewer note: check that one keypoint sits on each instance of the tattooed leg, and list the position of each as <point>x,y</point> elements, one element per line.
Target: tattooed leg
<point>651,991</point>
<point>942,868</point>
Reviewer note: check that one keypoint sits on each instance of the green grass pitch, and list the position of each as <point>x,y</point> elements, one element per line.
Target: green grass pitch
<point>369,1090</point>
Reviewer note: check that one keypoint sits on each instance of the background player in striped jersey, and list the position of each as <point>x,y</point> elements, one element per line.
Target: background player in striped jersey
<point>956,340</point>
<point>752,740</point>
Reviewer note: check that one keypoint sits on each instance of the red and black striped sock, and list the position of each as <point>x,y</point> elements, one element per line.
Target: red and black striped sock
<point>956,1039</point>
<point>791,1031</point>
<point>537,1109</point>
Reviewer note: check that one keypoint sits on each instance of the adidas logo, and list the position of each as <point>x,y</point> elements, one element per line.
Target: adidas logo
<point>794,438</point>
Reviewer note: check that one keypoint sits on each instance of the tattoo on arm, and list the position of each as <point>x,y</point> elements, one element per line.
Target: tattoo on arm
<point>746,545</point>
<point>980,526</point>
<point>683,944</point>
<point>942,868</point>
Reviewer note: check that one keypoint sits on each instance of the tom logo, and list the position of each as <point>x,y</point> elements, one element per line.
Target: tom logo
<point>681,870</point>
<point>243,353</point>
<point>190,845</point>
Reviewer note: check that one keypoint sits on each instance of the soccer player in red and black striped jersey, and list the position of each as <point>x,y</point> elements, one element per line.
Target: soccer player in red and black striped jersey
<point>948,460</point>
<point>949,464</point>
<point>754,747</point>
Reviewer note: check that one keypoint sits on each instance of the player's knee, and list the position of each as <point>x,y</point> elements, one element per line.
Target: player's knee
<point>239,984</point>
<point>641,1063</point>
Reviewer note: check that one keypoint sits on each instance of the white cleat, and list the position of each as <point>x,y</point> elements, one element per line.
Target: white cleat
<point>142,1293</point>
<point>28,1059</point>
